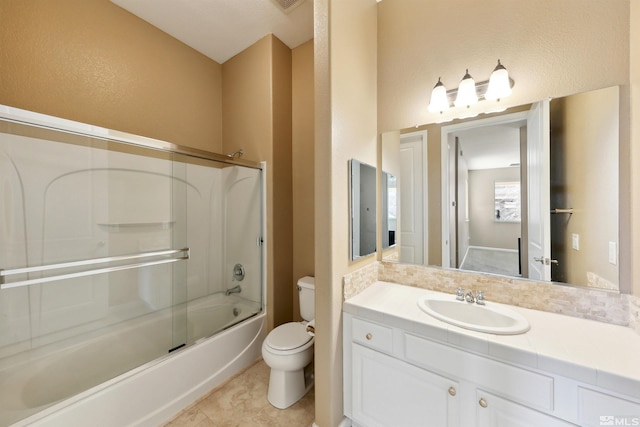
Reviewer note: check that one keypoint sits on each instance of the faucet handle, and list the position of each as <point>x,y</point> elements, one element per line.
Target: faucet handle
<point>480,297</point>
<point>460,294</point>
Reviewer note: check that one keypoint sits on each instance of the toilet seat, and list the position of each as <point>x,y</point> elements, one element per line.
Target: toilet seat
<point>288,336</point>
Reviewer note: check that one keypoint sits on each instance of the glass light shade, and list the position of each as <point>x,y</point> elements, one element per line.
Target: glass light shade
<point>439,100</point>
<point>499,85</point>
<point>466,92</point>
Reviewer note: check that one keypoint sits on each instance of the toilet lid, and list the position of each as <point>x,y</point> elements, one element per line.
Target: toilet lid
<point>288,336</point>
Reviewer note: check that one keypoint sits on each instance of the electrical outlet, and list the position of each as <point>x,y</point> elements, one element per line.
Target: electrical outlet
<point>575,241</point>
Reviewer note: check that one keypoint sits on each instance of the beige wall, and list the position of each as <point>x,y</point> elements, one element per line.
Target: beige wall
<point>257,118</point>
<point>93,62</point>
<point>282,185</point>
<point>345,127</point>
<point>483,229</point>
<point>590,182</point>
<point>634,203</point>
<point>542,43</point>
<point>303,167</point>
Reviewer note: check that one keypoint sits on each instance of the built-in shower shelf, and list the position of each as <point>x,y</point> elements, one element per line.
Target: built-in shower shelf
<point>122,226</point>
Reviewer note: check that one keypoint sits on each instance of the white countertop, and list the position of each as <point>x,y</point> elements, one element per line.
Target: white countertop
<point>593,352</point>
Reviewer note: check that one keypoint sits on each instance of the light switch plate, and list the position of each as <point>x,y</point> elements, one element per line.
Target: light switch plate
<point>613,253</point>
<point>575,241</point>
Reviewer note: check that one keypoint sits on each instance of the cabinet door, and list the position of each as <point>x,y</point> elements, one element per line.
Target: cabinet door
<point>601,409</point>
<point>389,392</point>
<point>493,411</point>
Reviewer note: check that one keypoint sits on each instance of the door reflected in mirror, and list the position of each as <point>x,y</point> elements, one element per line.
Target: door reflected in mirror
<point>389,210</point>
<point>531,192</point>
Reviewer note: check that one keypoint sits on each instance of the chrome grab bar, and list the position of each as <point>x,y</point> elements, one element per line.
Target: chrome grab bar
<point>4,273</point>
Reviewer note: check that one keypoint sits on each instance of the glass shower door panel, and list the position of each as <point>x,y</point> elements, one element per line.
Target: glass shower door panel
<point>242,235</point>
<point>224,229</point>
<point>79,206</point>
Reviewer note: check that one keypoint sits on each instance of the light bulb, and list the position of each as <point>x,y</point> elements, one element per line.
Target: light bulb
<point>466,92</point>
<point>499,84</point>
<point>439,101</point>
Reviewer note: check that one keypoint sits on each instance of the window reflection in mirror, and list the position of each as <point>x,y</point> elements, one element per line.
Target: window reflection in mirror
<point>583,174</point>
<point>362,209</point>
<point>506,201</point>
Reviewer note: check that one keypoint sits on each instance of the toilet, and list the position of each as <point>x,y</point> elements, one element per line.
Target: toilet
<point>288,350</point>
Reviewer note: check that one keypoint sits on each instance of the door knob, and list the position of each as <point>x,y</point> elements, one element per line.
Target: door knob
<point>545,261</point>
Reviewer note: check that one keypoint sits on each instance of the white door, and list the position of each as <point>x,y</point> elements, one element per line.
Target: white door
<point>413,217</point>
<point>538,182</point>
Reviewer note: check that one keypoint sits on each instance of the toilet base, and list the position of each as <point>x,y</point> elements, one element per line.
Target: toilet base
<point>287,387</point>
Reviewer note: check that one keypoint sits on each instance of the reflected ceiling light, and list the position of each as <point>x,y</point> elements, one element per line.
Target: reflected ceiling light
<point>439,100</point>
<point>499,84</point>
<point>468,92</point>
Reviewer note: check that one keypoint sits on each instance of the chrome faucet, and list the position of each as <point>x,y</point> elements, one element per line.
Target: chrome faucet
<point>478,299</point>
<point>469,297</point>
<point>235,290</point>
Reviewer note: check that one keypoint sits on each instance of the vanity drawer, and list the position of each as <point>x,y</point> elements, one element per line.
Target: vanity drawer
<point>520,385</point>
<point>372,335</point>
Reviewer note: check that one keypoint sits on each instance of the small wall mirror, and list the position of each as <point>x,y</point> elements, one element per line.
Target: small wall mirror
<point>362,209</point>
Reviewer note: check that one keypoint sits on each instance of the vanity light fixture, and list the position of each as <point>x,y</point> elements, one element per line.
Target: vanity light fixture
<point>468,92</point>
<point>439,100</point>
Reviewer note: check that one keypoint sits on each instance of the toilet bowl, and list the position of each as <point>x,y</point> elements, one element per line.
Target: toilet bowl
<point>288,350</point>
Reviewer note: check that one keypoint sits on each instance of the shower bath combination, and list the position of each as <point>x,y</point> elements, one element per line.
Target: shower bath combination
<point>115,252</point>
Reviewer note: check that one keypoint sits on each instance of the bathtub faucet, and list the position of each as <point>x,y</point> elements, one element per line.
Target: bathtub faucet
<point>235,290</point>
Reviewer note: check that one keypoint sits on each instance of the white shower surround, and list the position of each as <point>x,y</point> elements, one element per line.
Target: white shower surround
<point>162,387</point>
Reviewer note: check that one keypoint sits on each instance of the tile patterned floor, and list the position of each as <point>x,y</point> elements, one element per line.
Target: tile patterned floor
<point>242,402</point>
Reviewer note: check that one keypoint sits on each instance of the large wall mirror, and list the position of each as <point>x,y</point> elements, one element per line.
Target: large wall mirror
<point>531,192</point>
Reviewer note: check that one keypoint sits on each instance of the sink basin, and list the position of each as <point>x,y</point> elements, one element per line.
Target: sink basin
<point>490,318</point>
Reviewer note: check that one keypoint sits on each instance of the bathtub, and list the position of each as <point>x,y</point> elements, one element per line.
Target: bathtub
<point>146,395</point>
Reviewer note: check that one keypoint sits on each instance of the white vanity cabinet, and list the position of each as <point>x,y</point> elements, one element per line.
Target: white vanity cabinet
<point>389,392</point>
<point>495,411</point>
<point>397,378</point>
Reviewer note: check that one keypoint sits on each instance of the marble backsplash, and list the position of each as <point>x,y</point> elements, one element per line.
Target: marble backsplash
<point>634,313</point>
<point>588,303</point>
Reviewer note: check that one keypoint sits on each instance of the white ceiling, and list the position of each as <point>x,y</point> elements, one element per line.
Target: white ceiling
<point>220,29</point>
<point>491,147</point>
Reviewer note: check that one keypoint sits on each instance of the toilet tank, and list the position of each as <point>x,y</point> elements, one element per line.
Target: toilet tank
<point>307,297</point>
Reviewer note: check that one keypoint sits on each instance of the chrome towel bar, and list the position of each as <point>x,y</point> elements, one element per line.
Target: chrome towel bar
<point>49,267</point>
<point>562,211</point>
